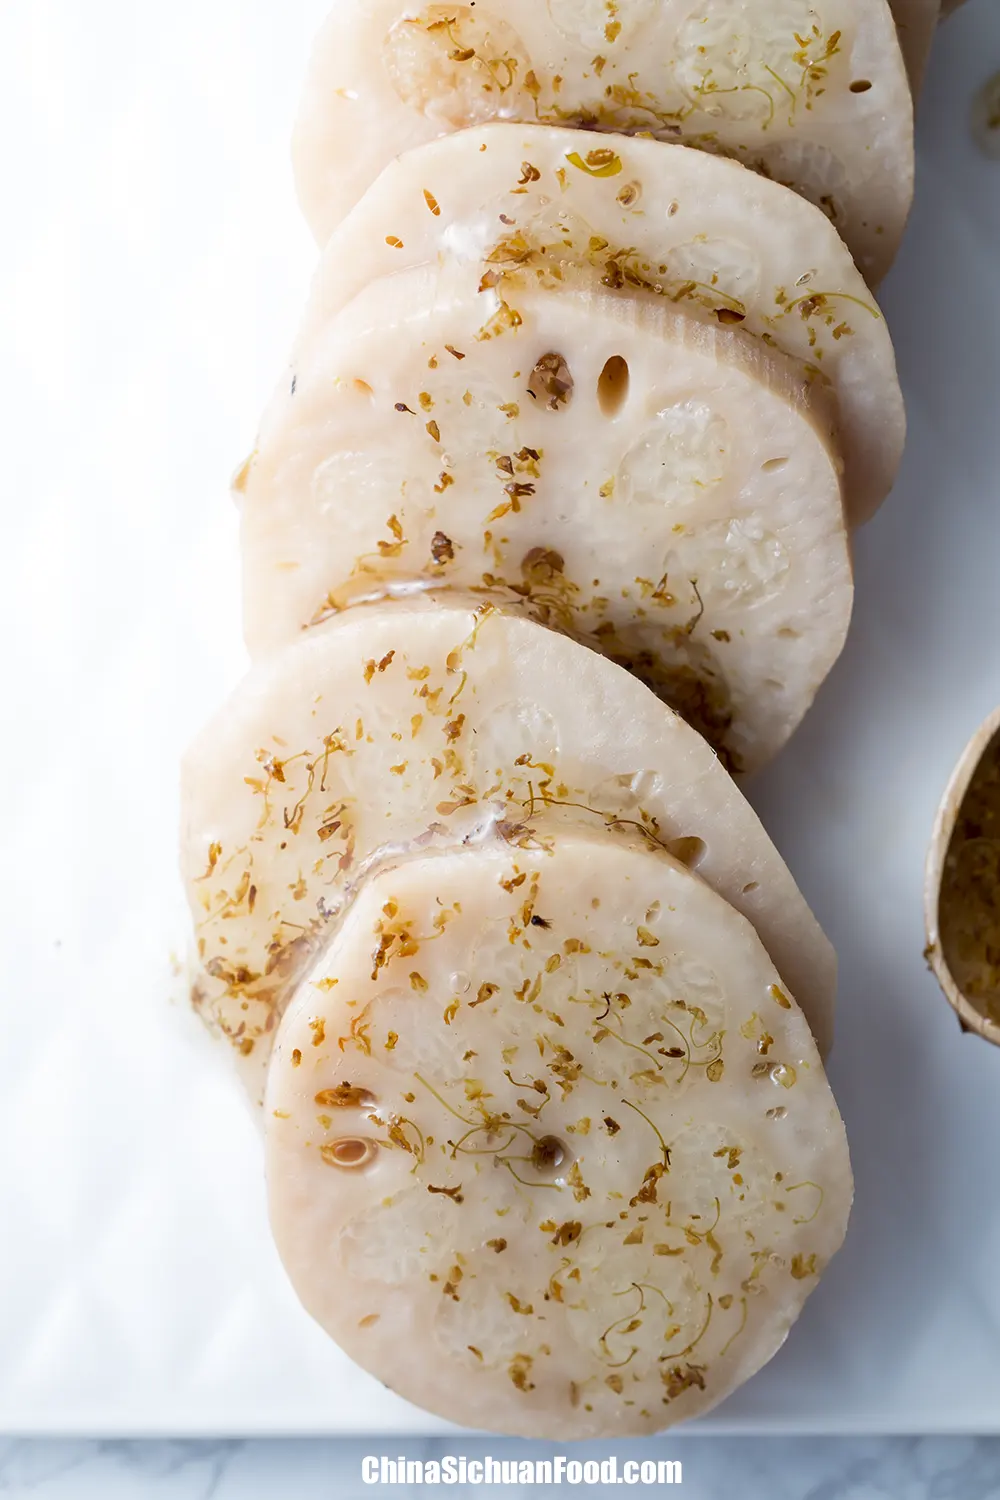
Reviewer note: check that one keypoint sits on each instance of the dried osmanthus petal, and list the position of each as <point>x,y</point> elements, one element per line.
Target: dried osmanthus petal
<point>664,490</point>
<point>811,92</point>
<point>637,219</point>
<point>420,724</point>
<point>603,1168</point>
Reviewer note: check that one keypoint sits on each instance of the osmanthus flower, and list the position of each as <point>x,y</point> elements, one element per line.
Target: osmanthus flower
<point>425,725</point>
<point>550,1149</point>
<point>665,489</point>
<point>635,218</point>
<point>812,93</point>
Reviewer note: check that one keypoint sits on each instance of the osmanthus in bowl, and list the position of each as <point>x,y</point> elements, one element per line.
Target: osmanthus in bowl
<point>550,1149</point>
<point>421,726</point>
<point>664,489</point>
<point>814,95</point>
<point>628,216</point>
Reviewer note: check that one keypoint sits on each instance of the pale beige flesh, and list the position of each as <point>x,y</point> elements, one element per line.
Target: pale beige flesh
<point>420,725</point>
<point>916,22</point>
<point>666,491</point>
<point>630,215</point>
<point>550,1150</point>
<point>813,93</point>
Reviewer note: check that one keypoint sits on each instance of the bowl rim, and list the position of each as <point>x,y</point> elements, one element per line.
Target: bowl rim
<point>944,825</point>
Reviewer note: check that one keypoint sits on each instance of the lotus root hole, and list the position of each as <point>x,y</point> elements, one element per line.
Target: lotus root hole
<point>612,386</point>
<point>689,851</point>
<point>353,1153</point>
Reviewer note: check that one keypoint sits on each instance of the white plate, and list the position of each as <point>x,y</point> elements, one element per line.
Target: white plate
<point>153,268</point>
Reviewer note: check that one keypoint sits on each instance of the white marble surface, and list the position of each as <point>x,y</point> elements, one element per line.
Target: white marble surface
<point>730,1469</point>
<point>714,1469</point>
<point>158,266</point>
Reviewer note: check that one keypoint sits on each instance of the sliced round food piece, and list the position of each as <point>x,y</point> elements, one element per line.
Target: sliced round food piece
<point>635,216</point>
<point>665,490</point>
<point>916,21</point>
<point>550,1150</point>
<point>426,724</point>
<point>813,93</point>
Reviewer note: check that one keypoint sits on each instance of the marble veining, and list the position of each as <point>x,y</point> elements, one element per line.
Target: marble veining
<point>77,1320</point>
<point>714,1468</point>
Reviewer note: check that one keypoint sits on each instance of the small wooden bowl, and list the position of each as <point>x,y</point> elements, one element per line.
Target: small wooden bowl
<point>960,884</point>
